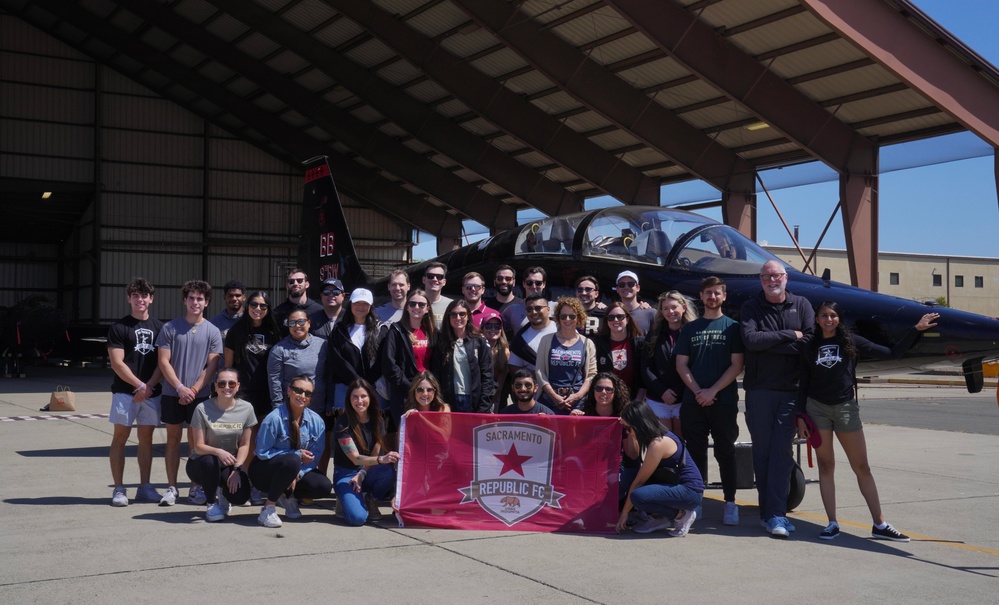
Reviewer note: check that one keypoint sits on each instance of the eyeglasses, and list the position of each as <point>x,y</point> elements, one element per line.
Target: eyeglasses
<point>296,280</point>
<point>772,276</point>
<point>523,385</point>
<point>616,317</point>
<point>258,305</point>
<point>416,305</point>
<point>583,290</point>
<point>536,308</point>
<point>503,278</point>
<point>627,284</point>
<point>425,389</point>
<point>227,384</point>
<point>599,389</point>
<point>332,292</point>
<point>492,326</point>
<point>472,287</point>
<point>434,276</point>
<point>295,322</point>
<point>301,391</point>
<point>458,314</point>
<point>534,283</point>
<point>567,316</point>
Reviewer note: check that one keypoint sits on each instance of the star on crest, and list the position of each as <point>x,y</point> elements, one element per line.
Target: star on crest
<point>512,461</point>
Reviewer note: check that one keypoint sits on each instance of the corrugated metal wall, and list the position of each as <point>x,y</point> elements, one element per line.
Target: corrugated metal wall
<point>179,198</point>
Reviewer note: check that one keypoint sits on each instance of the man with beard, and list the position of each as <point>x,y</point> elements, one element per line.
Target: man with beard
<point>398,288</point>
<point>298,295</point>
<point>709,357</point>
<point>325,319</point>
<point>524,391</point>
<point>776,326</point>
<point>524,345</point>
<point>588,293</point>
<point>515,315</point>
<point>503,282</point>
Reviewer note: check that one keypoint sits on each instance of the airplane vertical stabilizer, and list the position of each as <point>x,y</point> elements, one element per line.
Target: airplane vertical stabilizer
<point>326,248</point>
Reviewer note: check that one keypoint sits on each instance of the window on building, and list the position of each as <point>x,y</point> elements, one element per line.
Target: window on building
<point>958,281</point>
<point>893,279</point>
<point>938,280</point>
<point>979,281</point>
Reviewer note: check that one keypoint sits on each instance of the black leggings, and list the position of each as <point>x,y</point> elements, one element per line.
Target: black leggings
<point>275,475</point>
<point>210,474</point>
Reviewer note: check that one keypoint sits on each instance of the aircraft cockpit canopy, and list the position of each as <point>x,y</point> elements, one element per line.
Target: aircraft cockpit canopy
<point>657,236</point>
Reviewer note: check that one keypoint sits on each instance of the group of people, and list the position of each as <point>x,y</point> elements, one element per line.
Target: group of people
<point>298,377</point>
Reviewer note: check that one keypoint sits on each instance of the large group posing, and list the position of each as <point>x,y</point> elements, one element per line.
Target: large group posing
<point>272,393</point>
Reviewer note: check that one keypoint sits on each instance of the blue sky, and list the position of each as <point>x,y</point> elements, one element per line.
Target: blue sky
<point>948,207</point>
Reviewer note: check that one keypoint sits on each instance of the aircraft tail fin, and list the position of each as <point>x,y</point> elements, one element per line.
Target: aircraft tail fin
<point>326,248</point>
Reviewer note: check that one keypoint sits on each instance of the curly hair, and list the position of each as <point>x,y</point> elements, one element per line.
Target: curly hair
<point>621,395</point>
<point>573,303</point>
<point>843,335</point>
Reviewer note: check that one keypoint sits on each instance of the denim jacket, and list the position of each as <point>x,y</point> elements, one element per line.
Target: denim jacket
<point>273,438</point>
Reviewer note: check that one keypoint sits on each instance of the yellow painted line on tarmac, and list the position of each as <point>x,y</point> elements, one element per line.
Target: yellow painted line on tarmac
<point>866,527</point>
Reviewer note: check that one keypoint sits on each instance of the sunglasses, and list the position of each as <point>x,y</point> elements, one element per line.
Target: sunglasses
<point>585,290</point>
<point>627,284</point>
<point>425,389</point>
<point>565,316</point>
<point>492,326</point>
<point>472,287</point>
<point>523,385</point>
<point>301,391</point>
<point>296,280</point>
<point>534,283</point>
<point>435,276</point>
<point>503,278</point>
<point>536,308</point>
<point>256,305</point>
<point>458,314</point>
<point>332,292</point>
<point>226,384</point>
<point>416,305</point>
<point>603,389</point>
<point>295,322</point>
<point>616,317</point>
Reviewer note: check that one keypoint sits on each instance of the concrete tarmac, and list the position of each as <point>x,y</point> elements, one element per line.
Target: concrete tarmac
<point>62,542</point>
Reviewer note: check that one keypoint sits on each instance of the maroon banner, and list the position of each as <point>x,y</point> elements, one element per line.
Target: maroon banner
<point>519,472</point>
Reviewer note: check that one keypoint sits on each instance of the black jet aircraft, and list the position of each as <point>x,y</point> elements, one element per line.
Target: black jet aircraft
<point>668,250</point>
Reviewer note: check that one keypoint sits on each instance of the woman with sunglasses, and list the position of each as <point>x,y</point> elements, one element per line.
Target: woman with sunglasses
<point>619,344</point>
<point>247,345</point>
<point>407,351</point>
<point>290,443</point>
<point>425,395</point>
<point>219,439</point>
<point>302,354</point>
<point>353,347</point>
<point>567,360</point>
<point>663,386</point>
<point>363,466</point>
<point>668,488</point>
<point>463,362</point>
<point>492,329</point>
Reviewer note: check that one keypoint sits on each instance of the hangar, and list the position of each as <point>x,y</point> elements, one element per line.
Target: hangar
<point>168,135</point>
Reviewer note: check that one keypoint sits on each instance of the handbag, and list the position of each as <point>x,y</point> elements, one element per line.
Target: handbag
<point>63,399</point>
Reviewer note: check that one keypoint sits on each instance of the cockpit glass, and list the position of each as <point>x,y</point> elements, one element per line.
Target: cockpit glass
<point>722,249</point>
<point>552,235</point>
<point>644,236</point>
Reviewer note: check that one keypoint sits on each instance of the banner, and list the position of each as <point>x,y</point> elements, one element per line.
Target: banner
<point>519,472</point>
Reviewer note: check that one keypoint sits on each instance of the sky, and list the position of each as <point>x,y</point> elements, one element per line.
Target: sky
<point>946,207</point>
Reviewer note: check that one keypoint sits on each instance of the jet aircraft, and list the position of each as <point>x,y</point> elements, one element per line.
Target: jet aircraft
<point>669,250</point>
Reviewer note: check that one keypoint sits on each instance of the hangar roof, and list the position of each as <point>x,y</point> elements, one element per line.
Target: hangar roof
<point>437,110</point>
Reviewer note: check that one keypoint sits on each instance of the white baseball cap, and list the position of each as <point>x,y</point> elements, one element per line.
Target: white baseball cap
<point>362,295</point>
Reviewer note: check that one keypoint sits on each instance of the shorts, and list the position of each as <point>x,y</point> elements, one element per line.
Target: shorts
<point>664,410</point>
<point>840,418</point>
<point>171,412</point>
<point>124,411</point>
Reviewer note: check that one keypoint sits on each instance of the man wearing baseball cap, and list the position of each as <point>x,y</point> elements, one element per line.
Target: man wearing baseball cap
<point>332,298</point>
<point>627,290</point>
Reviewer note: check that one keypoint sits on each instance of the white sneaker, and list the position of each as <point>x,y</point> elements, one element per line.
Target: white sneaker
<point>268,517</point>
<point>169,496</point>
<point>214,512</point>
<point>683,524</point>
<point>731,515</point>
<point>290,506</point>
<point>147,493</point>
<point>119,497</point>
<point>256,498</point>
<point>197,495</point>
<point>224,505</point>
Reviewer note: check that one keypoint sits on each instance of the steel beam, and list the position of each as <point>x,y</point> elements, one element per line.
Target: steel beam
<point>503,107</point>
<point>600,89</point>
<point>364,139</point>
<point>419,119</point>
<point>918,59</point>
<point>858,194</point>
<point>746,81</point>
<point>362,182</point>
<point>739,211</point>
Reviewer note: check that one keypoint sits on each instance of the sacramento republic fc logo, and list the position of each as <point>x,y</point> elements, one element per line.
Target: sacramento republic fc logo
<point>513,470</point>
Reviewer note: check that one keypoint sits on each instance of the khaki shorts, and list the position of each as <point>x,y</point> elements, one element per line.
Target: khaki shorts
<point>840,418</point>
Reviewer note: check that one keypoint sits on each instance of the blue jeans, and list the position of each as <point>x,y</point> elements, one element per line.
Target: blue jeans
<point>378,482</point>
<point>770,418</point>
<point>665,500</point>
<point>462,403</point>
<point>625,479</point>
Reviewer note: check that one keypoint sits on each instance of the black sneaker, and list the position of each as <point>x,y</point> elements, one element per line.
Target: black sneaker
<point>831,532</point>
<point>888,533</point>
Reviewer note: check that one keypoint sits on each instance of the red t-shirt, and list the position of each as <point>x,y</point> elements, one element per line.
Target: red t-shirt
<point>421,350</point>
<point>623,361</point>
